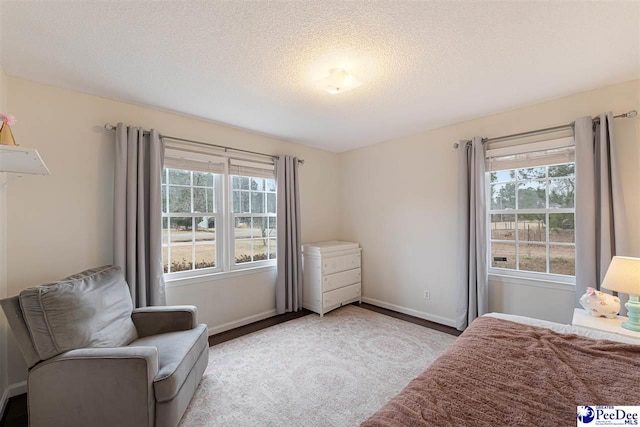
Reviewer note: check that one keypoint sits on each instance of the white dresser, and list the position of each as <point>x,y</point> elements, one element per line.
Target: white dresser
<point>331,275</point>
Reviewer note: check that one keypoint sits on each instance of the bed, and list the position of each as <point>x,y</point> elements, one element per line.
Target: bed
<point>515,371</point>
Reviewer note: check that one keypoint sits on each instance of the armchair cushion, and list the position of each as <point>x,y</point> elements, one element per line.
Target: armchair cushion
<point>178,353</point>
<point>162,319</point>
<point>89,309</point>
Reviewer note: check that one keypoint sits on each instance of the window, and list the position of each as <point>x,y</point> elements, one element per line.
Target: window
<point>189,219</point>
<point>531,209</point>
<point>254,218</point>
<point>203,232</point>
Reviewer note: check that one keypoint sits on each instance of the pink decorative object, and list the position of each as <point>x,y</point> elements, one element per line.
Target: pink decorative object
<point>598,304</point>
<point>8,119</point>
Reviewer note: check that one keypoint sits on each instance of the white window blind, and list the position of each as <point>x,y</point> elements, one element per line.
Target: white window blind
<point>254,169</point>
<point>556,151</point>
<point>186,160</point>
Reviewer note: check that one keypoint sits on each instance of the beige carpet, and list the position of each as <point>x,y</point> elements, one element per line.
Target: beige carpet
<point>334,371</point>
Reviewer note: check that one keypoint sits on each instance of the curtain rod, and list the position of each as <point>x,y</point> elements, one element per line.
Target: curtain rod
<point>630,114</point>
<point>111,127</point>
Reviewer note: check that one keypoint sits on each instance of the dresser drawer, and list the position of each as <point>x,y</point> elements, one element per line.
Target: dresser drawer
<point>339,280</point>
<point>340,263</point>
<point>337,297</point>
<point>351,261</point>
<point>332,265</point>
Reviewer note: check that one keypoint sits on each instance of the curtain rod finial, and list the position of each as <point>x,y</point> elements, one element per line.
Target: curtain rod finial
<point>456,145</point>
<point>108,126</point>
<point>631,114</point>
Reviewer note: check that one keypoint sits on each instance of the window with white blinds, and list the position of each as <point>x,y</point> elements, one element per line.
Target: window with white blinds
<point>531,209</point>
<point>186,160</point>
<point>202,232</point>
<point>556,151</point>
<point>255,169</point>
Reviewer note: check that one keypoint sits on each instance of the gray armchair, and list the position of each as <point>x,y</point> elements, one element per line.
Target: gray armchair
<point>95,361</point>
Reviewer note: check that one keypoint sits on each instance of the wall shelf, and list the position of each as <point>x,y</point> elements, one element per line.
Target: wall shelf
<point>22,160</point>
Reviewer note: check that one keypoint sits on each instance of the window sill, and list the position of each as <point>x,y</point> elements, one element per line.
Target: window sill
<point>211,277</point>
<point>506,279</point>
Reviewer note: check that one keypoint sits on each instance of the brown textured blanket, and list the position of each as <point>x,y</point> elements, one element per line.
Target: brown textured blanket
<point>501,373</point>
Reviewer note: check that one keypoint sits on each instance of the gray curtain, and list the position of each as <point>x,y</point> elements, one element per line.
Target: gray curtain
<point>289,284</point>
<point>137,239</point>
<point>472,288</point>
<point>599,203</point>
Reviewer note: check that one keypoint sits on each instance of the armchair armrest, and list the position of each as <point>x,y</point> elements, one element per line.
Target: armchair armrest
<point>94,386</point>
<point>159,320</point>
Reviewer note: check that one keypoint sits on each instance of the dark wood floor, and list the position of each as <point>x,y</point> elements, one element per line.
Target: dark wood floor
<point>412,319</point>
<point>256,326</point>
<point>15,415</point>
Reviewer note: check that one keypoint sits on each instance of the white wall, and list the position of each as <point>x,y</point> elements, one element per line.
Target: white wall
<point>399,202</point>
<point>62,224</point>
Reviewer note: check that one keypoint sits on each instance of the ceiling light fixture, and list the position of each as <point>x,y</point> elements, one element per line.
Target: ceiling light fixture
<point>339,80</point>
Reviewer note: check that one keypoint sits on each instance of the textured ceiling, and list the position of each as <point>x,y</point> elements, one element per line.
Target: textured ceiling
<point>255,65</point>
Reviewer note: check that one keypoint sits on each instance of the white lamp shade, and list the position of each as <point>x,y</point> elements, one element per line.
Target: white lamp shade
<point>623,275</point>
<point>339,81</point>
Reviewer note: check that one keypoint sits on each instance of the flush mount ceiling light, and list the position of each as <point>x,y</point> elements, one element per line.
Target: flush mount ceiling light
<point>339,80</point>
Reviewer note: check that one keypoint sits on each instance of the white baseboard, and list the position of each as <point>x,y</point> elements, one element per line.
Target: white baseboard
<point>421,314</point>
<point>16,389</point>
<point>3,402</point>
<point>241,322</point>
<point>11,390</point>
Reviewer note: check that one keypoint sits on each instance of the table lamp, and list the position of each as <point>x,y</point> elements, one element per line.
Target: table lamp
<point>623,276</point>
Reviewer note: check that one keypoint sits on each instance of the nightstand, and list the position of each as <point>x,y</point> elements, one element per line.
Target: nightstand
<point>584,320</point>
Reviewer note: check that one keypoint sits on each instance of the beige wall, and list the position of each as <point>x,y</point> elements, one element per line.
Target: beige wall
<point>61,224</point>
<point>398,199</point>
<point>3,253</point>
<point>399,202</point>
<point>3,244</point>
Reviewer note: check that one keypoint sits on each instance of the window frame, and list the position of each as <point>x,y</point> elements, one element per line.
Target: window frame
<point>546,211</point>
<point>224,239</point>
<point>217,214</point>
<point>233,266</point>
